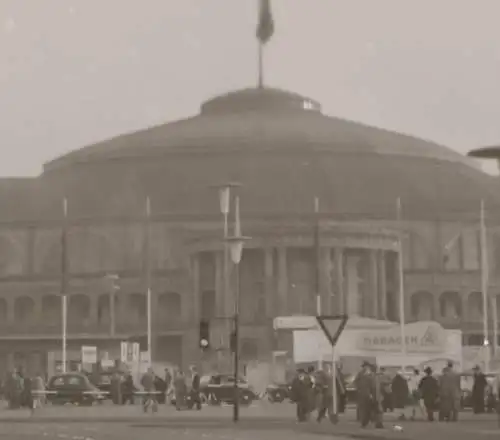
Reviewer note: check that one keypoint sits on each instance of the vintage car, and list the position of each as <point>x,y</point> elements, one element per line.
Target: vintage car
<point>277,393</point>
<point>74,388</point>
<point>219,388</point>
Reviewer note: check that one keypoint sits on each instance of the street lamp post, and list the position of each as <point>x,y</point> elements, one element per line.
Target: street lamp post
<point>236,249</point>
<point>492,152</point>
<point>224,190</point>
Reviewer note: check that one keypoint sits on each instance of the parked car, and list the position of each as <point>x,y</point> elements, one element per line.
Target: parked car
<point>72,388</point>
<point>278,393</point>
<point>466,383</point>
<point>219,388</point>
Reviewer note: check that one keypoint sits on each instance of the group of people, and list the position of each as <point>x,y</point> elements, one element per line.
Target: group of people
<point>23,391</point>
<point>173,386</point>
<point>312,390</point>
<point>377,392</point>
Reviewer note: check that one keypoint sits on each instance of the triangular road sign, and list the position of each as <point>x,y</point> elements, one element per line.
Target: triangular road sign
<point>332,326</point>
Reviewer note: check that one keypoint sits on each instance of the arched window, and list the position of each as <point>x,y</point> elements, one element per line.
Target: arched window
<point>169,306</point>
<point>51,310</point>
<point>3,309</point>
<point>450,305</point>
<point>421,306</point>
<point>79,309</point>
<point>138,307</point>
<point>24,310</point>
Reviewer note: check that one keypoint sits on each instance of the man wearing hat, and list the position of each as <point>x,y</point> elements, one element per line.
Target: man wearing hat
<point>429,391</point>
<point>367,396</point>
<point>478,390</point>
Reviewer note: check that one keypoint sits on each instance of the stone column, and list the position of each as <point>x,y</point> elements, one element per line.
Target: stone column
<point>282,282</point>
<point>382,286</point>
<point>372,289</point>
<point>352,279</point>
<point>220,300</point>
<point>195,283</point>
<point>338,261</point>
<point>10,311</point>
<point>326,281</point>
<point>37,309</point>
<point>269,282</point>
<point>93,318</point>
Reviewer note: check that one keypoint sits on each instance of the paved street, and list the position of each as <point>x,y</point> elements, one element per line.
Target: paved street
<point>263,421</point>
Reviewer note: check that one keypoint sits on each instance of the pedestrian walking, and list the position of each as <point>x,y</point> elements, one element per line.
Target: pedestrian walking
<point>429,390</point>
<point>195,388</point>
<point>148,384</point>
<point>299,394</point>
<point>38,391</point>
<point>400,394</point>
<point>478,391</point>
<point>449,394</point>
<point>367,395</point>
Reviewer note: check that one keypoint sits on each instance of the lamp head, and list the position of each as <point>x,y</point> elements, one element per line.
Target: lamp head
<point>236,244</point>
<point>224,195</point>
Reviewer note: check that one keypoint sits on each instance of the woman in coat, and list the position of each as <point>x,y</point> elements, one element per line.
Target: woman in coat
<point>400,393</point>
<point>180,389</point>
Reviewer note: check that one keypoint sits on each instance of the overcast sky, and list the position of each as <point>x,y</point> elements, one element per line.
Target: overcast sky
<point>77,71</point>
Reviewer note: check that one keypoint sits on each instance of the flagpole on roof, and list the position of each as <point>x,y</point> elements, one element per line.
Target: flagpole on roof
<point>401,301</point>
<point>265,30</point>
<point>64,283</point>
<point>484,288</point>
<point>317,262</point>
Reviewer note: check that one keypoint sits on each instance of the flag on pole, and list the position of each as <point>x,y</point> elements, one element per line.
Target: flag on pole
<point>64,249</point>
<point>265,26</point>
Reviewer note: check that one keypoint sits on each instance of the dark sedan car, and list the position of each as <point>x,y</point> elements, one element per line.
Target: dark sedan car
<point>277,393</point>
<point>219,388</point>
<point>72,388</point>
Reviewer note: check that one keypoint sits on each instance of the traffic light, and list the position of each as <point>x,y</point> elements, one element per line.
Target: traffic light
<point>204,340</point>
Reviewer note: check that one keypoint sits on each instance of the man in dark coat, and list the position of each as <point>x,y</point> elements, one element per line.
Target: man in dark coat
<point>449,394</point>
<point>400,393</point>
<point>367,395</point>
<point>429,390</point>
<point>478,390</point>
<point>195,388</point>
<point>300,390</point>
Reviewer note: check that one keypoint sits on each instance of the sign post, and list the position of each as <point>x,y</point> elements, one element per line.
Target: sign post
<point>332,327</point>
<point>89,355</point>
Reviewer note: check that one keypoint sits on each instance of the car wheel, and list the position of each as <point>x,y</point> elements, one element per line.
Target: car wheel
<point>245,399</point>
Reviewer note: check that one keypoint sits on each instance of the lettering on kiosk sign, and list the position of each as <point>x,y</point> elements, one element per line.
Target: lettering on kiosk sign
<point>420,337</point>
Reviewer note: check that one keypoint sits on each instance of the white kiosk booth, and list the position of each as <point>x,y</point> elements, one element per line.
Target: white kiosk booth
<point>427,342</point>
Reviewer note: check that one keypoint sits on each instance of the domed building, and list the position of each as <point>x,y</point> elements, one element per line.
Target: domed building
<point>284,152</point>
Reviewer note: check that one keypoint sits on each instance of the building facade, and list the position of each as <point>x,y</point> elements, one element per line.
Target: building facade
<point>284,152</point>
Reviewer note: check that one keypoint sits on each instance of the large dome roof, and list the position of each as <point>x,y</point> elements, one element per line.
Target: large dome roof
<point>285,151</point>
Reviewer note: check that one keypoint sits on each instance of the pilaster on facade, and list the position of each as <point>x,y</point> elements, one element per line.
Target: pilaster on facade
<point>269,281</point>
<point>339,280</point>
<point>220,294</point>
<point>282,280</point>
<point>382,285</point>
<point>94,310</point>
<point>11,319</point>
<point>325,285</point>
<point>195,283</point>
<point>373,284</point>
